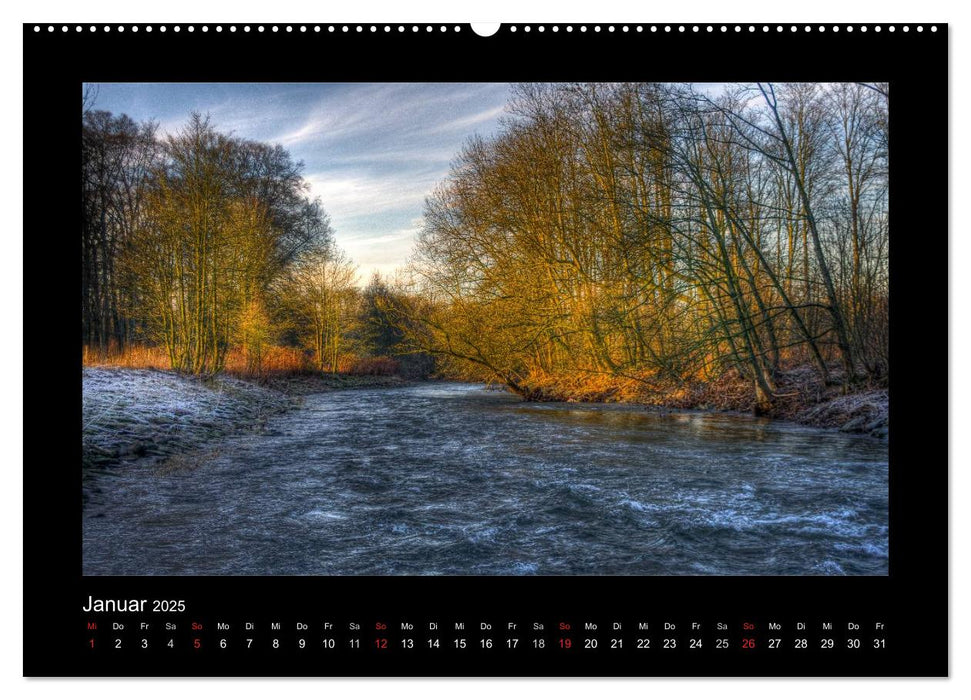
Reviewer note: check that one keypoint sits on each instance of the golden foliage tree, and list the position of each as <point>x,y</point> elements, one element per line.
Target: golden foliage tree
<point>658,234</point>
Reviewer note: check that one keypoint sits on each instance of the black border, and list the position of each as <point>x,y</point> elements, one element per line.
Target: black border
<point>912,600</point>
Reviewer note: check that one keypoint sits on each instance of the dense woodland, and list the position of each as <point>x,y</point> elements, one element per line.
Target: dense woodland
<point>612,235</point>
<point>204,249</point>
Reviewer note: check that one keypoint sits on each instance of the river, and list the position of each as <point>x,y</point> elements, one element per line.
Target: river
<point>448,478</point>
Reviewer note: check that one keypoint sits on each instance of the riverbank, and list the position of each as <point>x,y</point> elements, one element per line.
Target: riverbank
<point>800,397</point>
<point>140,414</point>
<point>153,416</point>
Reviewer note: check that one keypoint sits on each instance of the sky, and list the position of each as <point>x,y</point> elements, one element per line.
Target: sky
<point>371,152</point>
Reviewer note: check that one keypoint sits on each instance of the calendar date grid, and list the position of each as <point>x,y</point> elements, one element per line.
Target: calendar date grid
<point>449,636</point>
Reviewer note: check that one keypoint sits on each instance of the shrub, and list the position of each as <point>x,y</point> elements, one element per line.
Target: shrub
<point>374,366</point>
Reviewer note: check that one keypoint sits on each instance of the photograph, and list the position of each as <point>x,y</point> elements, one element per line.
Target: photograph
<point>484,329</point>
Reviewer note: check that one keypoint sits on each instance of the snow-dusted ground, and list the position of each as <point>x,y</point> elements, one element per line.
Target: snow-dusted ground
<point>866,412</point>
<point>133,414</point>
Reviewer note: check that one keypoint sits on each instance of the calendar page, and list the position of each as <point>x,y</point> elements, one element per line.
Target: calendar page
<point>432,350</point>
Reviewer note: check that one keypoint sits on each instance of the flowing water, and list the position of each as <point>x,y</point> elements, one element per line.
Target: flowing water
<point>455,479</point>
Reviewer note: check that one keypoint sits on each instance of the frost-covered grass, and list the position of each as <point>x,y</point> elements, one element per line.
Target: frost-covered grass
<point>135,414</point>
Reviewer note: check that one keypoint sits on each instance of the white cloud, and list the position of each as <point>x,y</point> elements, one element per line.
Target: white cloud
<point>393,111</point>
<point>472,120</point>
<point>384,254</point>
<point>361,195</point>
<point>353,110</point>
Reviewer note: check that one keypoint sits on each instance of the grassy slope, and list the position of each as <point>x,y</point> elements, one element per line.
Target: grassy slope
<point>131,414</point>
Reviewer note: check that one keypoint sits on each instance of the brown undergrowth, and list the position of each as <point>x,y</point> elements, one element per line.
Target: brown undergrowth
<point>274,362</point>
<point>800,396</point>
